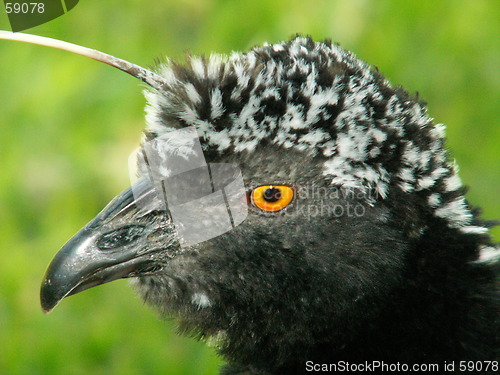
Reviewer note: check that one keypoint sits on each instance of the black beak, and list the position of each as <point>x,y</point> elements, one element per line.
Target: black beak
<point>95,255</point>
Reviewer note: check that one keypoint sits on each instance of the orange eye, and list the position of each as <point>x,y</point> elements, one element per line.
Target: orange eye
<point>272,198</point>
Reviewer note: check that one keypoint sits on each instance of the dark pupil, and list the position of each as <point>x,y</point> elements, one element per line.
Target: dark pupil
<point>272,195</point>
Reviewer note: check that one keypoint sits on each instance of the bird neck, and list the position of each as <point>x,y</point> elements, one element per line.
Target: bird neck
<point>442,309</point>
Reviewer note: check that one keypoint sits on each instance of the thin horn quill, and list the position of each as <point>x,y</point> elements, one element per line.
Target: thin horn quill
<point>152,79</point>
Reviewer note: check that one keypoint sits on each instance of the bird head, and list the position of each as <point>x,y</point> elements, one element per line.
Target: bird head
<point>343,175</point>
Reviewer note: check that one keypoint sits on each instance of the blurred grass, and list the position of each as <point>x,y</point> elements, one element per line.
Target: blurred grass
<point>67,126</point>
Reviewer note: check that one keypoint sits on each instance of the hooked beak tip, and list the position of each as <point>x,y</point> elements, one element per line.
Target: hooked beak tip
<point>48,299</point>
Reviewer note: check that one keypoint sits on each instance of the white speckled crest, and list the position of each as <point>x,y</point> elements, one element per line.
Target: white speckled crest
<point>319,99</point>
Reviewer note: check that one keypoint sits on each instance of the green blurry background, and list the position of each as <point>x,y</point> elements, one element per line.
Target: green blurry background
<point>67,126</point>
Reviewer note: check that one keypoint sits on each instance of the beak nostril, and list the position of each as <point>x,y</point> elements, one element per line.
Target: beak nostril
<point>119,237</point>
